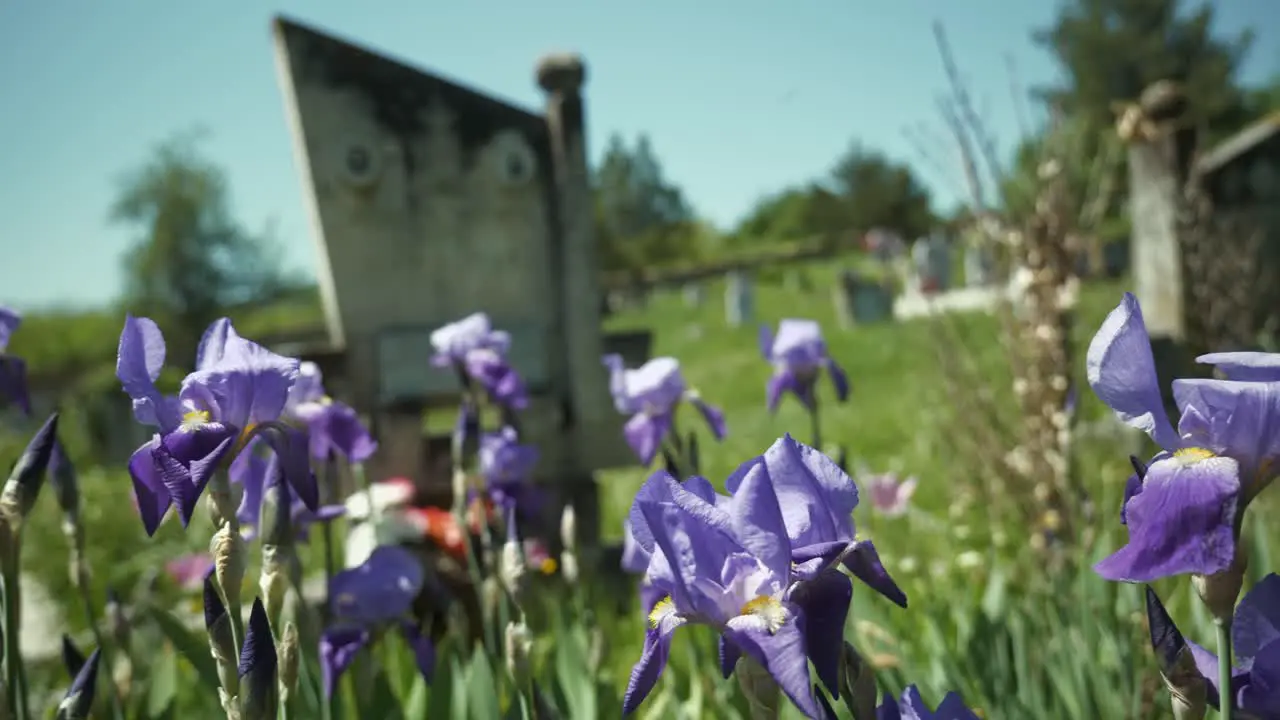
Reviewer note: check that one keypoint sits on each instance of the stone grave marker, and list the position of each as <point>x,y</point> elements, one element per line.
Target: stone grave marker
<point>739,298</point>
<point>979,265</point>
<point>432,200</point>
<point>938,261</point>
<point>694,294</point>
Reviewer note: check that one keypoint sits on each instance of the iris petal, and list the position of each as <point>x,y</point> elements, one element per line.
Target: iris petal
<point>1181,522</point>
<point>1122,372</point>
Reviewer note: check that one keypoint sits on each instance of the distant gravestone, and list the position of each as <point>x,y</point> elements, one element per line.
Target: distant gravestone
<point>919,281</point>
<point>842,296</point>
<point>804,281</point>
<point>694,294</point>
<point>739,299</point>
<point>860,301</point>
<point>796,280</point>
<point>979,265</point>
<point>938,262</point>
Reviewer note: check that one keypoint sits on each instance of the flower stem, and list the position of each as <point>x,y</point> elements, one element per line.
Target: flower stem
<point>815,424</point>
<point>14,671</point>
<point>1226,699</point>
<point>679,449</point>
<point>461,458</point>
<point>86,597</point>
<point>363,484</point>
<point>760,689</point>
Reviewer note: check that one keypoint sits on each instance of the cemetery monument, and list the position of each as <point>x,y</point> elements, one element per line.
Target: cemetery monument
<point>431,201</point>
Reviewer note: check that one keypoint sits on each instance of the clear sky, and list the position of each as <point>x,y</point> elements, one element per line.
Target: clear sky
<point>740,98</point>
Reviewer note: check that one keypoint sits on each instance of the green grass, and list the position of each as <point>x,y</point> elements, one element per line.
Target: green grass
<point>897,415</point>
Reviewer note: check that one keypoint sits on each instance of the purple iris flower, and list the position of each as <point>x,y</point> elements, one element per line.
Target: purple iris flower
<point>913,707</point>
<point>799,354</point>
<point>13,370</point>
<point>818,500</point>
<point>1182,512</point>
<point>332,426</point>
<point>507,467</point>
<point>259,692</point>
<point>1255,635</point>
<point>78,700</point>
<point>726,562</point>
<point>651,394</point>
<point>367,600</point>
<point>480,353</point>
<point>635,559</point>
<point>237,389</point>
<point>256,473</point>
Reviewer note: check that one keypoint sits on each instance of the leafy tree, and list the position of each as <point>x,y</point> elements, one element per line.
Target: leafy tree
<point>1110,50</point>
<point>1087,159</point>
<point>642,218</point>
<point>1264,98</point>
<point>191,260</point>
<point>795,214</point>
<point>877,192</point>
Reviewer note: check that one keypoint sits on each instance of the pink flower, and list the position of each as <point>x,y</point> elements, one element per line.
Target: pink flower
<point>188,571</point>
<point>536,556</point>
<point>888,496</point>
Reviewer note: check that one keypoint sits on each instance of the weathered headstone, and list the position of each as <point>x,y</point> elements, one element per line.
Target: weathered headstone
<point>433,201</point>
<point>930,265</point>
<point>842,297</point>
<point>694,294</point>
<point>790,282</point>
<point>860,301</point>
<point>739,298</point>
<point>979,265</point>
<point>797,280</point>
<point>939,263</point>
<point>918,278</point>
<point>885,245</point>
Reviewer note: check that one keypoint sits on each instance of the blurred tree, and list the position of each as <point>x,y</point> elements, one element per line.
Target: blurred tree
<point>641,217</point>
<point>1109,50</point>
<point>1087,158</point>
<point>795,214</point>
<point>192,260</point>
<point>876,192</point>
<point>1264,98</point>
<point>615,255</point>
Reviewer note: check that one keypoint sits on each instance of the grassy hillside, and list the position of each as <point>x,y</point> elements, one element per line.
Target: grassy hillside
<point>897,413</point>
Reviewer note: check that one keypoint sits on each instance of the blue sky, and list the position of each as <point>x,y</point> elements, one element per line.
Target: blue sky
<point>740,98</point>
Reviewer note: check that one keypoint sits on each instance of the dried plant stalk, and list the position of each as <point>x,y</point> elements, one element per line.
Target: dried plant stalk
<point>1037,480</point>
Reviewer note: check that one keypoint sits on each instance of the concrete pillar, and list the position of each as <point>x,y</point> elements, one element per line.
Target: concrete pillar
<point>561,76</point>
<point>739,298</point>
<point>693,294</point>
<point>1160,148</point>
